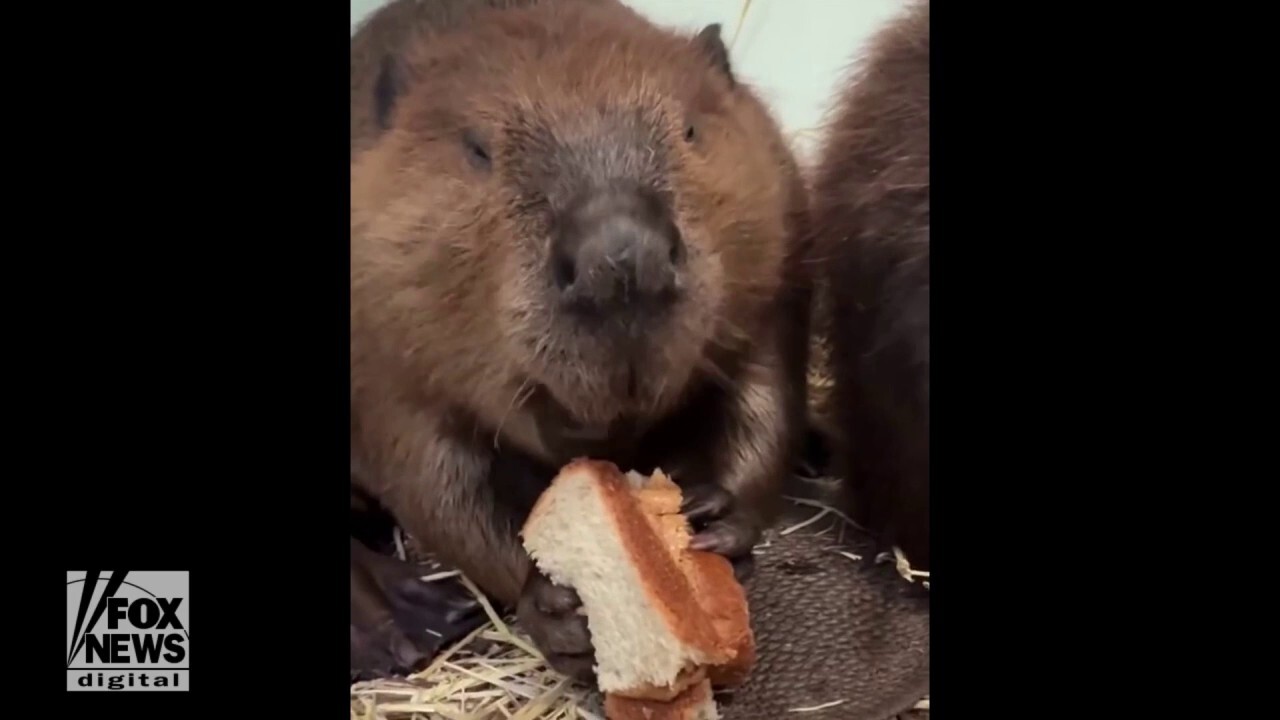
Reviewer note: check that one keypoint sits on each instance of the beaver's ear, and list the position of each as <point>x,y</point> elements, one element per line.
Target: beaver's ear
<point>388,88</point>
<point>711,45</point>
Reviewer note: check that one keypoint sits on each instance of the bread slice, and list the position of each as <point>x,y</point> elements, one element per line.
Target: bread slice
<point>664,620</point>
<point>695,703</point>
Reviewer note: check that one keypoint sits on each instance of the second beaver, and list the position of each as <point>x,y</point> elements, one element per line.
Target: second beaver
<point>871,218</point>
<point>574,233</point>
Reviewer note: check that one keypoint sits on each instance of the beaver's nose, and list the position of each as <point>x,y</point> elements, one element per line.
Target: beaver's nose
<point>616,247</point>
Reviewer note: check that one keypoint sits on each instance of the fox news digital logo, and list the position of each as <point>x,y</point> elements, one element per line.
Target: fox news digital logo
<point>127,630</point>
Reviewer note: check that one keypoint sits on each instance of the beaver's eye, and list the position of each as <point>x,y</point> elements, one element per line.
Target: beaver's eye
<point>688,134</point>
<point>476,151</point>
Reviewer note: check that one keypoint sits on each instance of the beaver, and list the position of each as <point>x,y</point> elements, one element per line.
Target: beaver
<point>573,233</point>
<point>870,215</point>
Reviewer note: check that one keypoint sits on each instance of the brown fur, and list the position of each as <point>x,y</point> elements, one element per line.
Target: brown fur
<point>382,39</point>
<point>871,215</point>
<point>460,359</point>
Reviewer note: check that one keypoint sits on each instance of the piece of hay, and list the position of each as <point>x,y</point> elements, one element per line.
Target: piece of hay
<point>823,506</point>
<point>816,708</point>
<point>902,566</point>
<point>742,18</point>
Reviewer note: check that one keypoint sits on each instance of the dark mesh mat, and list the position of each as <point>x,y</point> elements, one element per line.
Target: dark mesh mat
<point>830,628</point>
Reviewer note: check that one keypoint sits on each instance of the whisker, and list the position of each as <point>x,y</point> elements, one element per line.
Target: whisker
<point>516,402</point>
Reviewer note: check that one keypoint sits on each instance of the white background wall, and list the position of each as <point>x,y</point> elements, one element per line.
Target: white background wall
<point>793,51</point>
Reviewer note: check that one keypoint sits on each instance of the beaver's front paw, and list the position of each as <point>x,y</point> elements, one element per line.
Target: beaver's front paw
<point>719,528</point>
<point>549,613</point>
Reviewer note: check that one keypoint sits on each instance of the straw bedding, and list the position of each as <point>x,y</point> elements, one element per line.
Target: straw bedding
<point>841,635</point>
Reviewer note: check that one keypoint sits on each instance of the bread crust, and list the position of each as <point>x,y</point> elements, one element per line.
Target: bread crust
<point>692,704</point>
<point>724,601</point>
